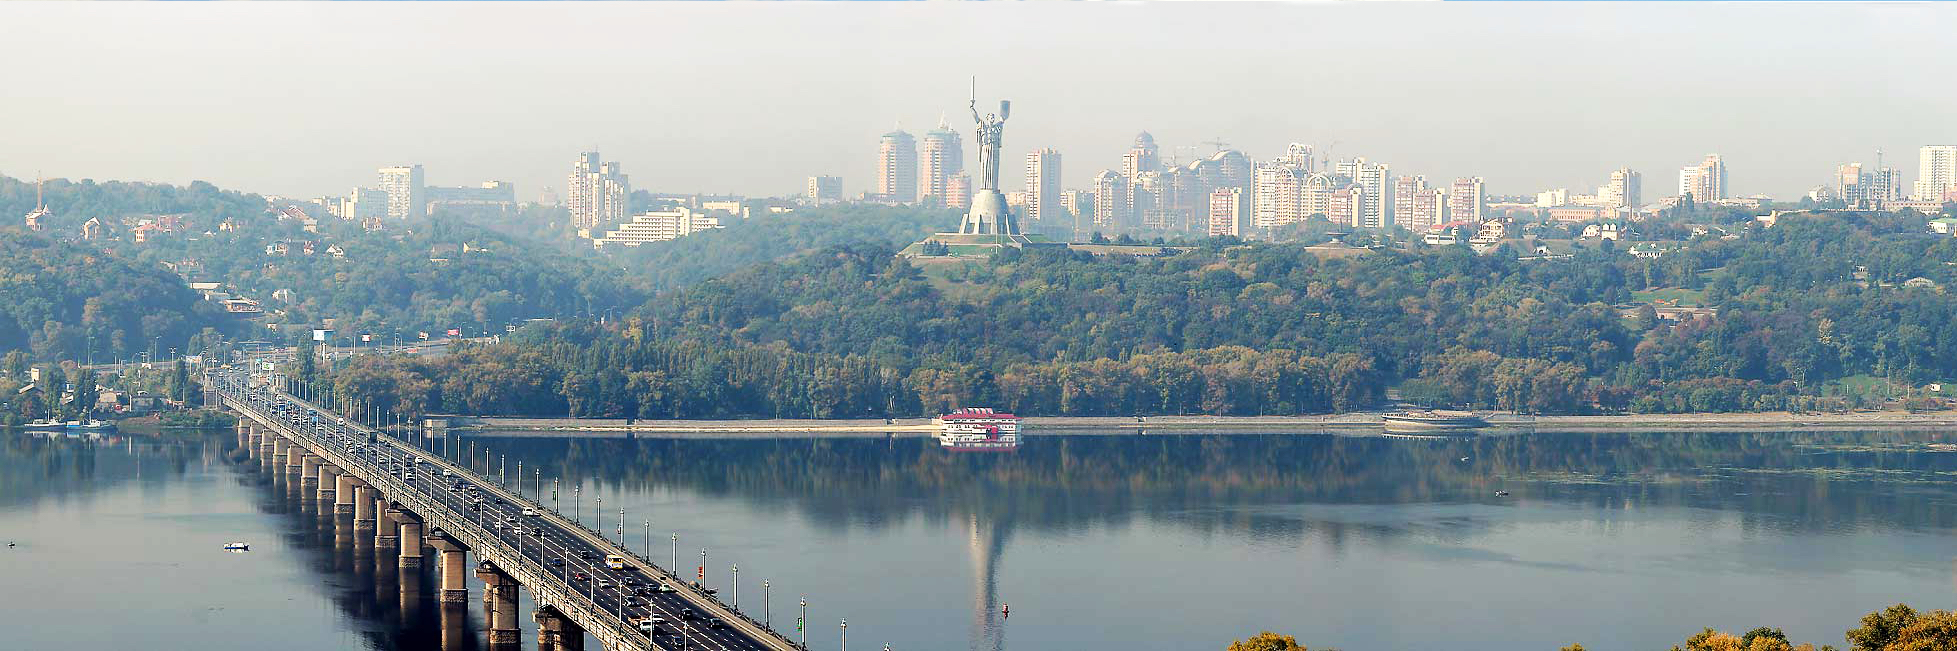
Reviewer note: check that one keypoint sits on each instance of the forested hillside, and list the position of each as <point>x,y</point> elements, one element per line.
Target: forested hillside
<point>1262,328</point>
<point>765,237</point>
<point>57,300</point>
<point>74,202</point>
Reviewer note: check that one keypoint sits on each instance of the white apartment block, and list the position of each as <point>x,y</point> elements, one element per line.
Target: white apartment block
<point>657,226</point>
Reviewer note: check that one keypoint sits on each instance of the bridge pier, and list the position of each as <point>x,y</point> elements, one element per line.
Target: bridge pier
<point>343,492</point>
<point>329,481</point>
<point>267,450</point>
<point>280,448</point>
<point>295,459</point>
<point>309,470</point>
<point>363,508</point>
<point>555,632</point>
<point>499,601</point>
<point>411,541</point>
<point>387,535</point>
<point>454,566</point>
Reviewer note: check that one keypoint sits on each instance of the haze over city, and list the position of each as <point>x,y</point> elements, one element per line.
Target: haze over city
<point>305,100</point>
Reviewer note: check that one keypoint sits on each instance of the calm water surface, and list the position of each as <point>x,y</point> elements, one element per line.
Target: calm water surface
<point>1617,541</point>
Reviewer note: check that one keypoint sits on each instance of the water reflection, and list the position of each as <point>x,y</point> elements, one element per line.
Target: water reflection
<point>1319,534</point>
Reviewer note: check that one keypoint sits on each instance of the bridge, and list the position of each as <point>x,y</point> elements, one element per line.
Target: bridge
<point>411,502</point>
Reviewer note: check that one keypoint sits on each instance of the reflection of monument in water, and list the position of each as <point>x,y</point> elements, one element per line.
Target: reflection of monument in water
<point>988,544</point>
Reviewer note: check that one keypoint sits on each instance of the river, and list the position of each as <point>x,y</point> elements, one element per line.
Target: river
<point>1617,541</point>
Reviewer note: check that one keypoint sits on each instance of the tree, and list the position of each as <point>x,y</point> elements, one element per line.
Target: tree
<point>1268,641</point>
<point>1901,628</point>
<point>86,394</point>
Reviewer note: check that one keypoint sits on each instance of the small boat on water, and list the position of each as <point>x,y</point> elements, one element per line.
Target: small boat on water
<point>91,426</point>
<point>236,547</point>
<point>45,424</point>
<point>1430,422</point>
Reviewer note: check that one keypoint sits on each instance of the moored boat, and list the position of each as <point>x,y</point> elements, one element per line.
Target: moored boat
<point>977,429</point>
<point>1430,422</point>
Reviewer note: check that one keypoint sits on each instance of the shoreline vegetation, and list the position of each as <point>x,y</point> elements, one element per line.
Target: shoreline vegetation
<point>1337,424</point>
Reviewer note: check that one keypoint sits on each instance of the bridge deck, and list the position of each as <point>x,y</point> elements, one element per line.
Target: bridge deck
<point>543,552</point>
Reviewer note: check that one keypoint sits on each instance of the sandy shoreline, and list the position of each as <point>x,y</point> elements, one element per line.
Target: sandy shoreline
<point>1343,424</point>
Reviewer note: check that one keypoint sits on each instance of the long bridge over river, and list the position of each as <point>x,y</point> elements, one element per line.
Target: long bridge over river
<point>408,501</point>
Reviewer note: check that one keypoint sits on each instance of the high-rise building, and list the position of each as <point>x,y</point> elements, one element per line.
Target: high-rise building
<point>1142,157</point>
<point>1080,210</point>
<point>1277,195</point>
<point>1298,155</point>
<point>1316,199</point>
<point>824,190</point>
<point>363,204</point>
<point>1112,192</point>
<point>1043,187</point>
<point>1936,171</point>
<point>943,156</point>
<point>1704,182</point>
<point>1227,212</point>
<point>406,193</point>
<point>1467,199</point>
<point>958,191</point>
<point>1374,209</point>
<point>596,192</point>
<point>897,168</point>
<point>1347,205</point>
<point>499,195</point>
<point>1416,207</point>
<point>658,226</point>
<point>1624,189</point>
<point>1154,198</point>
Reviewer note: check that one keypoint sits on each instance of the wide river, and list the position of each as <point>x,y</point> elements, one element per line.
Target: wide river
<point>1617,541</point>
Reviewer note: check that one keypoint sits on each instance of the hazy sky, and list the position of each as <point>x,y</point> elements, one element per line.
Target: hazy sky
<point>309,98</point>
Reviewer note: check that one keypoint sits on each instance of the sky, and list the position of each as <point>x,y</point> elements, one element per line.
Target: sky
<point>308,99</point>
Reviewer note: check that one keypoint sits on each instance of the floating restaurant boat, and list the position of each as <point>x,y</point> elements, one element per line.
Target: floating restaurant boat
<point>1430,422</point>
<point>236,547</point>
<point>978,429</point>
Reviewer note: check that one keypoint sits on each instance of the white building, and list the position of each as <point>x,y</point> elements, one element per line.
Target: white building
<point>1936,172</point>
<point>943,156</point>
<point>1228,211</point>
<point>824,190</point>
<point>897,168</point>
<point>657,226</point>
<point>406,193</point>
<point>363,204</point>
<point>1705,182</point>
<point>1043,202</point>
<point>1373,209</point>
<point>1467,199</point>
<point>1624,189</point>
<point>596,192</point>
<point>1277,195</point>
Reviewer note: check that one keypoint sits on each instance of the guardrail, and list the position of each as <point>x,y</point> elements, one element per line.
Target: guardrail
<point>546,590</point>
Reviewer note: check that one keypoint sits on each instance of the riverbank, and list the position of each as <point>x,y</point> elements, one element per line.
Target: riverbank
<point>1343,424</point>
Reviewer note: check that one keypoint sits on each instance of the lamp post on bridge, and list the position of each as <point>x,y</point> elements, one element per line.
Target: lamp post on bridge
<point>845,635</point>
<point>621,527</point>
<point>648,545</point>
<point>737,586</point>
<point>767,605</point>
<point>577,493</point>
<point>802,623</point>
<point>676,552</point>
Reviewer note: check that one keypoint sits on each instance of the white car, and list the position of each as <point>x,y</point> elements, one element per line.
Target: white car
<point>530,512</point>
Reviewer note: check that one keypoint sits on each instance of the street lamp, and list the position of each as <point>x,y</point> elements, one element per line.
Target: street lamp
<point>801,623</point>
<point>737,586</point>
<point>767,605</point>
<point>845,635</point>
<point>676,553</point>
<point>648,545</point>
<point>621,527</point>
<point>577,492</point>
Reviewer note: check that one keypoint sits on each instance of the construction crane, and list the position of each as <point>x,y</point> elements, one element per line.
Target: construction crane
<point>1325,156</point>
<point>1217,143</point>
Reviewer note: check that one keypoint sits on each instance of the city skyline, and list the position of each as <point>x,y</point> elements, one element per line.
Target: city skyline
<point>1555,122</point>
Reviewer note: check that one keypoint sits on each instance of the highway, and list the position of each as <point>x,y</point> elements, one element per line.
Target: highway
<point>576,556</point>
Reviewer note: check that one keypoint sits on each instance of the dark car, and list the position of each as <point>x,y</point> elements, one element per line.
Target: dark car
<point>580,576</point>
<point>686,614</point>
<point>715,623</point>
<point>557,562</point>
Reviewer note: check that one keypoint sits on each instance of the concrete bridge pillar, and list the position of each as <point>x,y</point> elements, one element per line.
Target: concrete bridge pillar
<point>309,470</point>
<point>454,569</point>
<point>267,450</point>
<point>329,482</point>
<point>499,597</point>
<point>343,493</point>
<point>280,447</point>
<point>363,508</point>
<point>411,541</point>
<point>387,536</point>
<point>295,459</point>
<point>555,632</point>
